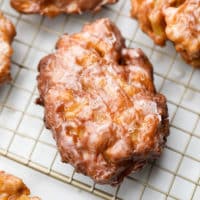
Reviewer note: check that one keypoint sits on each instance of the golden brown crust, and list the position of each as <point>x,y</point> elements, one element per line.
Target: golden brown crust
<point>13,188</point>
<point>183,28</point>
<point>149,17</point>
<point>176,20</point>
<point>54,7</point>
<point>101,103</point>
<point>7,33</point>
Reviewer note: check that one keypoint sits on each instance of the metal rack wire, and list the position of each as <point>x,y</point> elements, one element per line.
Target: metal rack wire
<point>21,125</point>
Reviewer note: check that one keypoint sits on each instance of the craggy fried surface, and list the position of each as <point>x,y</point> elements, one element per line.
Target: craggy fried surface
<point>7,32</point>
<point>55,7</point>
<point>150,16</point>
<point>183,28</point>
<point>101,103</point>
<point>13,188</point>
<point>176,20</point>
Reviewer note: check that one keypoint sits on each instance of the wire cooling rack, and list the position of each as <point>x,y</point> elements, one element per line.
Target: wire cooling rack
<point>176,175</point>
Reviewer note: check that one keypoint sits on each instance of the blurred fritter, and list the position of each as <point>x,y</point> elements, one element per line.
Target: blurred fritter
<point>54,7</point>
<point>101,103</point>
<point>183,28</point>
<point>7,33</point>
<point>176,20</point>
<point>151,19</point>
<point>13,188</point>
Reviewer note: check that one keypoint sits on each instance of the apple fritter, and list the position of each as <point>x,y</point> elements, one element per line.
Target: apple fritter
<point>175,20</point>
<point>7,33</point>
<point>183,28</point>
<point>101,103</point>
<point>13,188</point>
<point>54,7</point>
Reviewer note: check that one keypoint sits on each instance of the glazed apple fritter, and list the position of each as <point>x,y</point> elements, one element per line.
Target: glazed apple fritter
<point>7,33</point>
<point>13,188</point>
<point>183,28</point>
<point>101,103</point>
<point>176,20</point>
<point>55,7</point>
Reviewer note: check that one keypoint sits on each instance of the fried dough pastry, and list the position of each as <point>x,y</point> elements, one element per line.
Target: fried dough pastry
<point>183,28</point>
<point>176,20</point>
<point>151,19</point>
<point>13,188</point>
<point>7,33</point>
<point>101,103</point>
<point>150,15</point>
<point>55,7</point>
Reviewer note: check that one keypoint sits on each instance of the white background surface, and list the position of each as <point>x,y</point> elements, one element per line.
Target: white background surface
<point>42,185</point>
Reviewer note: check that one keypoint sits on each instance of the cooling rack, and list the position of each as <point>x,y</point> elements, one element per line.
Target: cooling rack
<point>176,175</point>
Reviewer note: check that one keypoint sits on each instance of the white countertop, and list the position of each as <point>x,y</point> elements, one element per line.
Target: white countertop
<point>42,185</point>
